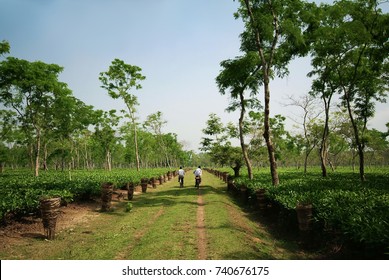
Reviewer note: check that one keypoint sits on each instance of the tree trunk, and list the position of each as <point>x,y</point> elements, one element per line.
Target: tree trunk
<point>45,168</point>
<point>361,162</point>
<point>306,161</point>
<point>331,165</point>
<point>31,154</point>
<point>236,171</point>
<point>323,146</point>
<point>266,135</point>
<point>136,147</point>
<point>266,66</point>
<point>37,151</point>
<point>353,159</point>
<point>108,160</point>
<point>163,146</point>
<point>86,158</point>
<point>323,156</point>
<point>241,137</point>
<point>78,157</point>
<point>357,139</point>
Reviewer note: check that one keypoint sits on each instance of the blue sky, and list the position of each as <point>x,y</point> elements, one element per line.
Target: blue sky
<point>178,44</point>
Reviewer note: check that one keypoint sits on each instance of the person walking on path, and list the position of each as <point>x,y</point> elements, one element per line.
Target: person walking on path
<point>181,174</point>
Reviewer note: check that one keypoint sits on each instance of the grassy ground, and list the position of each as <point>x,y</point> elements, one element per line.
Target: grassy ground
<point>165,223</point>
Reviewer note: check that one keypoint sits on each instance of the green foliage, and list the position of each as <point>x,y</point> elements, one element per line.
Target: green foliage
<point>219,146</point>
<point>129,207</point>
<point>240,74</point>
<point>278,28</point>
<point>21,192</point>
<point>119,80</point>
<point>360,210</point>
<point>43,108</point>
<point>4,47</point>
<point>349,50</point>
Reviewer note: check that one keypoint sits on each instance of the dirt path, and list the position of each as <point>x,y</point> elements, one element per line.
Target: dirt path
<point>202,239</point>
<point>31,226</point>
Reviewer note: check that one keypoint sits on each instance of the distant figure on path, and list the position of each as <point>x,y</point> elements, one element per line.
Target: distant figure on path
<point>181,174</point>
<point>198,172</point>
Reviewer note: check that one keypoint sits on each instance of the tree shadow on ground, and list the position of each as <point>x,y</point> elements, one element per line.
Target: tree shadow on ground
<point>282,224</point>
<point>34,235</point>
<point>168,197</point>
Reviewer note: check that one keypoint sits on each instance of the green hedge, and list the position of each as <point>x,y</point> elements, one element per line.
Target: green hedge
<point>341,202</point>
<point>20,191</point>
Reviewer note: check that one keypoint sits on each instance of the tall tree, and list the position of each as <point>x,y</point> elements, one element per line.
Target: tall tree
<point>213,132</point>
<point>119,80</point>
<point>217,144</point>
<point>275,30</point>
<point>154,122</point>
<point>280,137</point>
<point>239,75</point>
<point>105,134</point>
<point>352,42</point>
<point>72,116</point>
<point>31,89</point>
<point>308,121</point>
<point>324,87</point>
<point>175,150</point>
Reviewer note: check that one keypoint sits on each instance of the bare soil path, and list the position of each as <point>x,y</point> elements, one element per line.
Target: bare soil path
<point>202,240</point>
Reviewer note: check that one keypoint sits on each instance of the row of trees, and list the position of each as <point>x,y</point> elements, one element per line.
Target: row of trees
<point>42,124</point>
<point>347,42</point>
<point>299,148</point>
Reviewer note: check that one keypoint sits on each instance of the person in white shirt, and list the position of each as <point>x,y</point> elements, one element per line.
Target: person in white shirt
<point>181,174</point>
<point>198,172</point>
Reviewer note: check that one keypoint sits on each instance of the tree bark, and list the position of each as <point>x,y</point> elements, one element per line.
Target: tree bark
<point>323,157</point>
<point>241,137</point>
<point>31,155</point>
<point>324,139</point>
<point>236,170</point>
<point>358,142</point>
<point>164,149</point>
<point>45,167</point>
<point>266,65</point>
<point>266,135</point>
<point>37,151</point>
<point>108,160</point>
<point>323,146</point>
<point>136,147</point>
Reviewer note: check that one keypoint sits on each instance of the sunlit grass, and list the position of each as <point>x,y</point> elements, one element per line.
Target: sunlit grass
<point>233,235</point>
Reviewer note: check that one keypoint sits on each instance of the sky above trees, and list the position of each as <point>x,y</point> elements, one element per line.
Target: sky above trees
<point>178,44</point>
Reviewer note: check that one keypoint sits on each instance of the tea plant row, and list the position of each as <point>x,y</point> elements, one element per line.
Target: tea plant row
<point>341,202</point>
<point>21,192</point>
